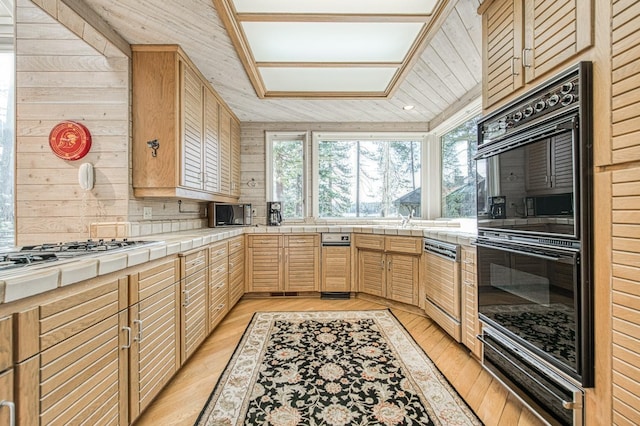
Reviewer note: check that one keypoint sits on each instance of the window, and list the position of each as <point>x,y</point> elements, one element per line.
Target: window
<point>286,172</point>
<point>6,148</point>
<point>367,176</point>
<point>458,192</point>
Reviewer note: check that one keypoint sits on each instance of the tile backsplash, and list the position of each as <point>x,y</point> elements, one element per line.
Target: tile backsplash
<point>142,229</point>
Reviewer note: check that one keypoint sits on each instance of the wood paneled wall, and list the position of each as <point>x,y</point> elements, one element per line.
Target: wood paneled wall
<point>62,77</point>
<point>68,70</point>
<point>252,157</point>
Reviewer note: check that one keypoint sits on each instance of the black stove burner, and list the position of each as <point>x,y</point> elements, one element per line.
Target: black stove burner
<point>50,252</point>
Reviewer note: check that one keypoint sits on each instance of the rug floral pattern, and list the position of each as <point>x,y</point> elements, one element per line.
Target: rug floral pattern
<point>332,368</point>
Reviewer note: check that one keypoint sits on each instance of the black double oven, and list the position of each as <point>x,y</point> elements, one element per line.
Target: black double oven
<point>534,249</point>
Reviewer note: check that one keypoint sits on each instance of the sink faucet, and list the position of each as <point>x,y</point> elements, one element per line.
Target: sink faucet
<point>406,221</point>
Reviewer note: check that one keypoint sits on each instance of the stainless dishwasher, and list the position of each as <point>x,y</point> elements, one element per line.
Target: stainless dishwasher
<point>336,265</point>
<point>442,285</point>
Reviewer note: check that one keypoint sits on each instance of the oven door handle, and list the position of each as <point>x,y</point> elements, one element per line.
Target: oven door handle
<point>524,252</point>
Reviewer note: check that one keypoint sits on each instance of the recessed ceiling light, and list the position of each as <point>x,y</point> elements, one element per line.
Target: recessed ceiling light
<point>408,107</point>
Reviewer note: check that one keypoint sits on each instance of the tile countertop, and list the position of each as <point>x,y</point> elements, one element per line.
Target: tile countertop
<point>21,283</point>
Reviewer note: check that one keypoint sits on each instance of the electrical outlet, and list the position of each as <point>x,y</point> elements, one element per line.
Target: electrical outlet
<point>147,213</point>
<point>513,205</point>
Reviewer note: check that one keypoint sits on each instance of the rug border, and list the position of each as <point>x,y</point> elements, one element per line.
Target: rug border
<point>415,343</point>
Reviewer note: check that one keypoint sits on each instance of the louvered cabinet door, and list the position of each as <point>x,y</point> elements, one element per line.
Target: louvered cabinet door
<point>211,143</point>
<point>192,128</point>
<point>302,263</point>
<point>155,352</point>
<point>81,368</point>
<point>402,278</point>
<point>502,59</point>
<point>555,31</point>
<point>235,158</point>
<point>442,293</point>
<point>236,276</point>
<point>562,161</point>
<point>469,295</point>
<point>264,263</point>
<point>194,302</point>
<point>538,167</point>
<point>225,151</point>
<point>371,272</point>
<point>336,269</point>
<point>218,283</point>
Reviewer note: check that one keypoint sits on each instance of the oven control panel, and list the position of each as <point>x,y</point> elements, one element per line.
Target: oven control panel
<point>556,97</point>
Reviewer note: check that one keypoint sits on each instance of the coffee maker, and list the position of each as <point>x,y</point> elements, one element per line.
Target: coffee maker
<point>274,213</point>
<point>497,207</point>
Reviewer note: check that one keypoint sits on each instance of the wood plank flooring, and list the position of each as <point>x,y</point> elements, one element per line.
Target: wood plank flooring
<point>181,401</point>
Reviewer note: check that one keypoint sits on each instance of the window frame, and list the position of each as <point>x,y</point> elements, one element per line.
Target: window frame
<point>270,138</point>
<point>471,110</point>
<point>421,137</point>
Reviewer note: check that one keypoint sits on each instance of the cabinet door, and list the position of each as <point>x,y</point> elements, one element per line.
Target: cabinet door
<point>194,302</point>
<point>302,263</point>
<point>211,143</point>
<point>235,158</point>
<point>402,278</point>
<point>155,354</point>
<point>470,322</point>
<point>192,128</point>
<point>7,409</point>
<point>336,269</point>
<point>502,26</point>
<point>225,151</point>
<point>264,263</point>
<point>218,283</point>
<point>236,277</point>
<point>371,272</point>
<point>6,343</point>
<point>555,32</point>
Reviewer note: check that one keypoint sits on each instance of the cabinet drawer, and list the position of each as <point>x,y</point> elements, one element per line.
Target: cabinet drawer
<point>62,318</point>
<point>468,278</point>
<point>236,244</point>
<point>194,261</point>
<point>264,241</point>
<point>407,245</point>
<point>302,240</point>
<point>218,270</point>
<point>218,251</point>
<point>149,281</point>
<point>373,242</point>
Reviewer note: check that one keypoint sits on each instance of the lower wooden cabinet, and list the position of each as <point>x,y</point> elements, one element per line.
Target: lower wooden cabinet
<point>236,269</point>
<point>194,303</point>
<point>278,263</point>
<point>336,269</point>
<point>7,398</point>
<point>389,267</point>
<point>442,293</point>
<point>469,294</point>
<point>218,299</point>
<point>154,321</point>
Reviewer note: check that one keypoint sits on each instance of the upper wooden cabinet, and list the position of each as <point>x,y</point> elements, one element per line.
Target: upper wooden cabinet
<point>174,105</point>
<point>524,40</point>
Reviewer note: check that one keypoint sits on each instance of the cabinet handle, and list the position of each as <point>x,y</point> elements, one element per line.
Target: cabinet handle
<point>186,298</point>
<point>524,57</point>
<point>467,262</point>
<point>138,338</point>
<point>12,411</point>
<point>231,265</point>
<point>382,264</point>
<point>468,283</point>
<point>220,269</point>
<point>513,66</point>
<point>389,265</point>
<point>128,330</point>
<point>220,252</point>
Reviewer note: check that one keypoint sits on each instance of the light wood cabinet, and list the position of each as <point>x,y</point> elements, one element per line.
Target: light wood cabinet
<point>218,283</point>
<point>336,269</point>
<point>235,158</point>
<point>442,293</point>
<point>236,269</point>
<point>469,295</point>
<point>389,266</point>
<point>173,104</point>
<point>283,263</point>
<point>525,40</point>
<point>194,302</point>
<point>7,397</point>
<point>154,320</point>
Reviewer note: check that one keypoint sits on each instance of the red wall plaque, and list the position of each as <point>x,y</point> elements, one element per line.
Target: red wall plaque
<point>70,140</point>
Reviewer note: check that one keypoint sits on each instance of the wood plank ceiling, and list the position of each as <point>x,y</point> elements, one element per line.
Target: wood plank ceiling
<point>445,77</point>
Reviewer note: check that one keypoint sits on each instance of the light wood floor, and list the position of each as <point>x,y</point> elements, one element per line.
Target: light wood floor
<point>181,401</point>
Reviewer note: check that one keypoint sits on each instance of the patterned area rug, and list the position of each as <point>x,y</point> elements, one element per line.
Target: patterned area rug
<point>332,368</point>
